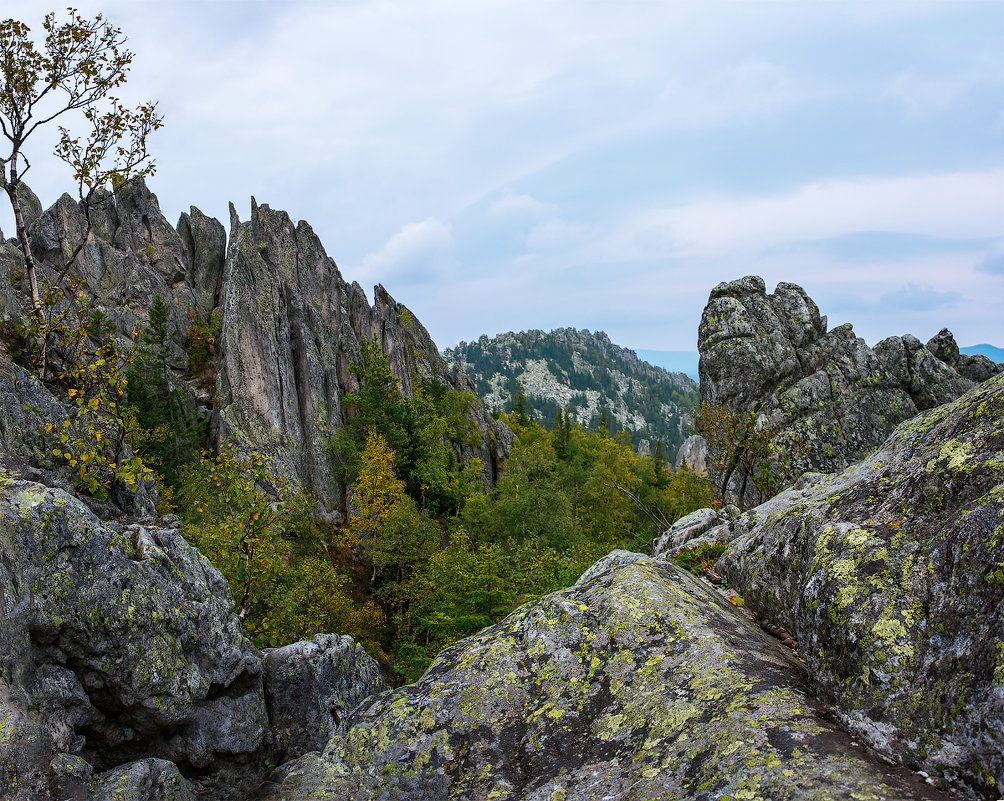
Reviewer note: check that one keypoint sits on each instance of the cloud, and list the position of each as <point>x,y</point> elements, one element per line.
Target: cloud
<point>419,252</point>
<point>919,298</point>
<point>951,205</point>
<point>519,207</point>
<point>555,233</point>
<point>993,262</point>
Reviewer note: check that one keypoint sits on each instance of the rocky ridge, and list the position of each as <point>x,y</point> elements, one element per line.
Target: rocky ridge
<point>289,324</point>
<point>831,397</point>
<point>585,372</point>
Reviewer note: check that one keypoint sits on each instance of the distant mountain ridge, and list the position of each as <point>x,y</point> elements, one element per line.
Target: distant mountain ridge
<point>993,353</point>
<point>585,372</point>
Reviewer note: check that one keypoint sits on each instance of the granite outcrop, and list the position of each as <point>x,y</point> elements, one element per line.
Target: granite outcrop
<point>890,575</point>
<point>830,396</point>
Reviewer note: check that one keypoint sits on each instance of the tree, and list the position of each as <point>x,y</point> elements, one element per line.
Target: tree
<point>742,447</point>
<point>80,63</point>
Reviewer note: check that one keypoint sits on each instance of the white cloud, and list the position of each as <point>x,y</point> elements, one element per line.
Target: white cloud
<point>418,253</point>
<point>519,207</point>
<point>555,233</point>
<point>959,205</point>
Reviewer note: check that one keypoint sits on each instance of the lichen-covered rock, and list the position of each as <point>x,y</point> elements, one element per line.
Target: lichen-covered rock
<point>144,780</point>
<point>832,398</point>
<point>639,683</point>
<point>291,332</point>
<point>118,643</point>
<point>976,368</point>
<point>311,686</point>
<point>685,529</point>
<point>891,577</point>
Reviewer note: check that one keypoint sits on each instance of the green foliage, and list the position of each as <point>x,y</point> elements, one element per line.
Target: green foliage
<point>276,560</point>
<point>202,336</point>
<point>428,555</point>
<point>701,558</point>
<point>92,376</point>
<point>163,434</point>
<point>746,462</point>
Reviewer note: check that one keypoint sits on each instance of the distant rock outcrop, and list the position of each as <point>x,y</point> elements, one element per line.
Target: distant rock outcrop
<point>832,398</point>
<point>639,682</point>
<point>890,575</point>
<point>693,453</point>
<point>586,373</point>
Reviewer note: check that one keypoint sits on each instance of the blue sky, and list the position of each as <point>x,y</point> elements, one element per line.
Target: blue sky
<point>507,165</point>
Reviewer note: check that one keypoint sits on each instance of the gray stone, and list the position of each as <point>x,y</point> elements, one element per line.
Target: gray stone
<point>641,682</point>
<point>891,577</point>
<point>687,528</point>
<point>694,454</point>
<point>119,643</point>
<point>831,397</point>
<point>145,780</point>
<point>311,686</point>
<point>291,332</point>
<point>976,368</point>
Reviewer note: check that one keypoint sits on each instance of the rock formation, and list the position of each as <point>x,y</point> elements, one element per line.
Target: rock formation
<point>891,577</point>
<point>291,330</point>
<point>832,397</point>
<point>693,453</point>
<point>291,326</point>
<point>119,643</point>
<point>310,686</point>
<point>640,682</point>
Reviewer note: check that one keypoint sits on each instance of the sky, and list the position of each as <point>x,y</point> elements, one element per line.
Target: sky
<point>510,164</point>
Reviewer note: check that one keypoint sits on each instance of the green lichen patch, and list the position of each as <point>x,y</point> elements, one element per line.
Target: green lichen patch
<point>638,683</point>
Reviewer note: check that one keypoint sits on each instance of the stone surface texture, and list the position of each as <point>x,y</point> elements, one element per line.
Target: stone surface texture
<point>832,398</point>
<point>638,683</point>
<point>118,643</point>
<point>291,331</point>
<point>686,529</point>
<point>693,453</point>
<point>311,686</point>
<point>891,577</point>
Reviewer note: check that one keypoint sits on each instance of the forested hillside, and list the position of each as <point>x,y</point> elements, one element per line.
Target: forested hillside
<point>599,383</point>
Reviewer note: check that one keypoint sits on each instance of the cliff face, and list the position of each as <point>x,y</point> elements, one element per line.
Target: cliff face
<point>290,324</point>
<point>292,328</point>
<point>891,577</point>
<point>832,398</point>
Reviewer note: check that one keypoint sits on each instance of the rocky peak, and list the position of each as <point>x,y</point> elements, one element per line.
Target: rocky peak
<point>831,396</point>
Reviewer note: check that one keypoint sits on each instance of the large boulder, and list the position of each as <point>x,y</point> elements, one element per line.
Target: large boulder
<point>311,686</point>
<point>831,397</point>
<point>639,682</point>
<point>891,577</point>
<point>118,643</point>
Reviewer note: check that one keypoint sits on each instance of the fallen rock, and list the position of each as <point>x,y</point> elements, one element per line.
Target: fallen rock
<point>118,643</point>
<point>311,686</point>
<point>640,682</point>
<point>687,528</point>
<point>890,575</point>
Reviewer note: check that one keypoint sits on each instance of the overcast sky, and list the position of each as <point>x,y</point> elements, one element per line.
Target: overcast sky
<point>510,164</point>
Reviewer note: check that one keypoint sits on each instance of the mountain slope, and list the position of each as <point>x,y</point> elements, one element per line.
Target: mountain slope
<point>588,374</point>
